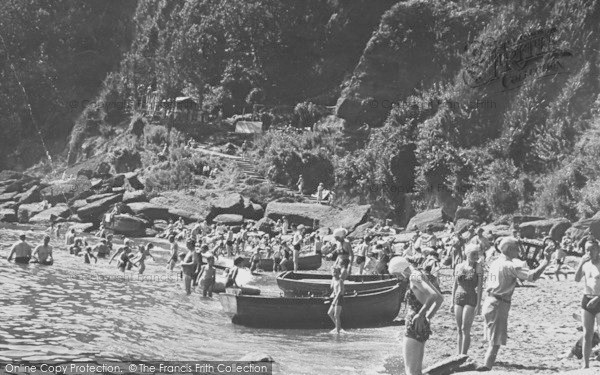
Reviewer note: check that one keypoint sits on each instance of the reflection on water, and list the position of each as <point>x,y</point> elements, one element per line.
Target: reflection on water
<point>73,310</point>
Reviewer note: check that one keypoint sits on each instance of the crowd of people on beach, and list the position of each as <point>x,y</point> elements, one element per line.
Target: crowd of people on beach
<point>486,270</point>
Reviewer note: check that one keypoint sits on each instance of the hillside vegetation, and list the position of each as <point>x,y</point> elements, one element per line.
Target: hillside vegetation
<point>488,104</point>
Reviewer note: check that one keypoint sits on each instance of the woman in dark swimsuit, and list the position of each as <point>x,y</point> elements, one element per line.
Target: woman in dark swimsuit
<point>466,294</point>
<point>423,300</point>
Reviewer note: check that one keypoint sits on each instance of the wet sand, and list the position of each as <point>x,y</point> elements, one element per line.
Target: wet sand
<point>541,331</point>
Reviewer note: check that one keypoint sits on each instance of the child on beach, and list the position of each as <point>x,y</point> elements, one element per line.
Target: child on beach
<point>75,249</point>
<point>559,258</point>
<point>88,254</point>
<point>174,250</point>
<point>207,276</point>
<point>142,254</point>
<point>255,260</point>
<point>339,274</point>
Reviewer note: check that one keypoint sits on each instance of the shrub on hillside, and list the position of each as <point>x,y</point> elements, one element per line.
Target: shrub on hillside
<point>589,203</point>
<point>126,160</point>
<point>306,115</point>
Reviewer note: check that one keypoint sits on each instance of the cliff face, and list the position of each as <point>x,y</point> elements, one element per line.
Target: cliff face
<point>417,44</point>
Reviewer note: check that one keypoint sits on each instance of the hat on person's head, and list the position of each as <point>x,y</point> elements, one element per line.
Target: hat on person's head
<point>22,236</point>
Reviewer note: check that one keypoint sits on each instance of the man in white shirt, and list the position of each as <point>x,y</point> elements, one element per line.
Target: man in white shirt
<point>501,282</point>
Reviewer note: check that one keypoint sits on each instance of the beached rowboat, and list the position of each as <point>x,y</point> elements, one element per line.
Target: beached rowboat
<point>298,284</point>
<point>366,309</point>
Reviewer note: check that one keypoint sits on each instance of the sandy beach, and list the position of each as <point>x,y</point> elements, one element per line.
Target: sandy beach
<point>541,331</point>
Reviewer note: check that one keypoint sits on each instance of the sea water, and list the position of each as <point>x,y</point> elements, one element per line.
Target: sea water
<point>76,311</point>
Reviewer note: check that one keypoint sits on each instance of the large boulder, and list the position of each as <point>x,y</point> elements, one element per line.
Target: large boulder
<point>559,229</point>
<point>187,216</point>
<point>227,204</point>
<point>135,196</point>
<point>6,197</point>
<point>266,225</point>
<point>362,230</point>
<point>436,217</point>
<point>465,213</point>
<point>348,218</point>
<point>229,219</point>
<point>541,228</point>
<point>61,210</point>
<point>29,210</point>
<point>92,212</point>
<point>7,215</point>
<point>129,225</point>
<point>10,175</point>
<point>77,204</point>
<point>115,181</point>
<point>253,211</point>
<point>133,181</point>
<point>64,191</point>
<point>150,210</point>
<point>30,196</point>
<point>97,197</point>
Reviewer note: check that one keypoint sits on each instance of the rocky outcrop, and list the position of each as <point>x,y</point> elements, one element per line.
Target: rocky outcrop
<point>8,215</point>
<point>403,55</point>
<point>150,210</point>
<point>465,213</point>
<point>135,196</point>
<point>227,204</point>
<point>29,196</point>
<point>436,217</point>
<point>462,225</point>
<point>61,210</point>
<point>518,219</point>
<point>27,211</point>
<point>133,181</point>
<point>129,225</point>
<point>541,228</point>
<point>266,225</point>
<point>361,230</point>
<point>93,212</point>
<point>6,197</point>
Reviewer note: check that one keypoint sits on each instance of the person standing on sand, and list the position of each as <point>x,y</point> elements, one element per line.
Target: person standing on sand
<point>501,282</point>
<point>339,273</point>
<point>466,296</point>
<point>43,253</point>
<point>423,300</point>
<point>21,251</point>
<point>589,270</point>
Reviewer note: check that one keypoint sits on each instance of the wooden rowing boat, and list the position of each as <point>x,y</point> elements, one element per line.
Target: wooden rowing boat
<point>366,309</point>
<point>298,284</point>
<point>305,263</point>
